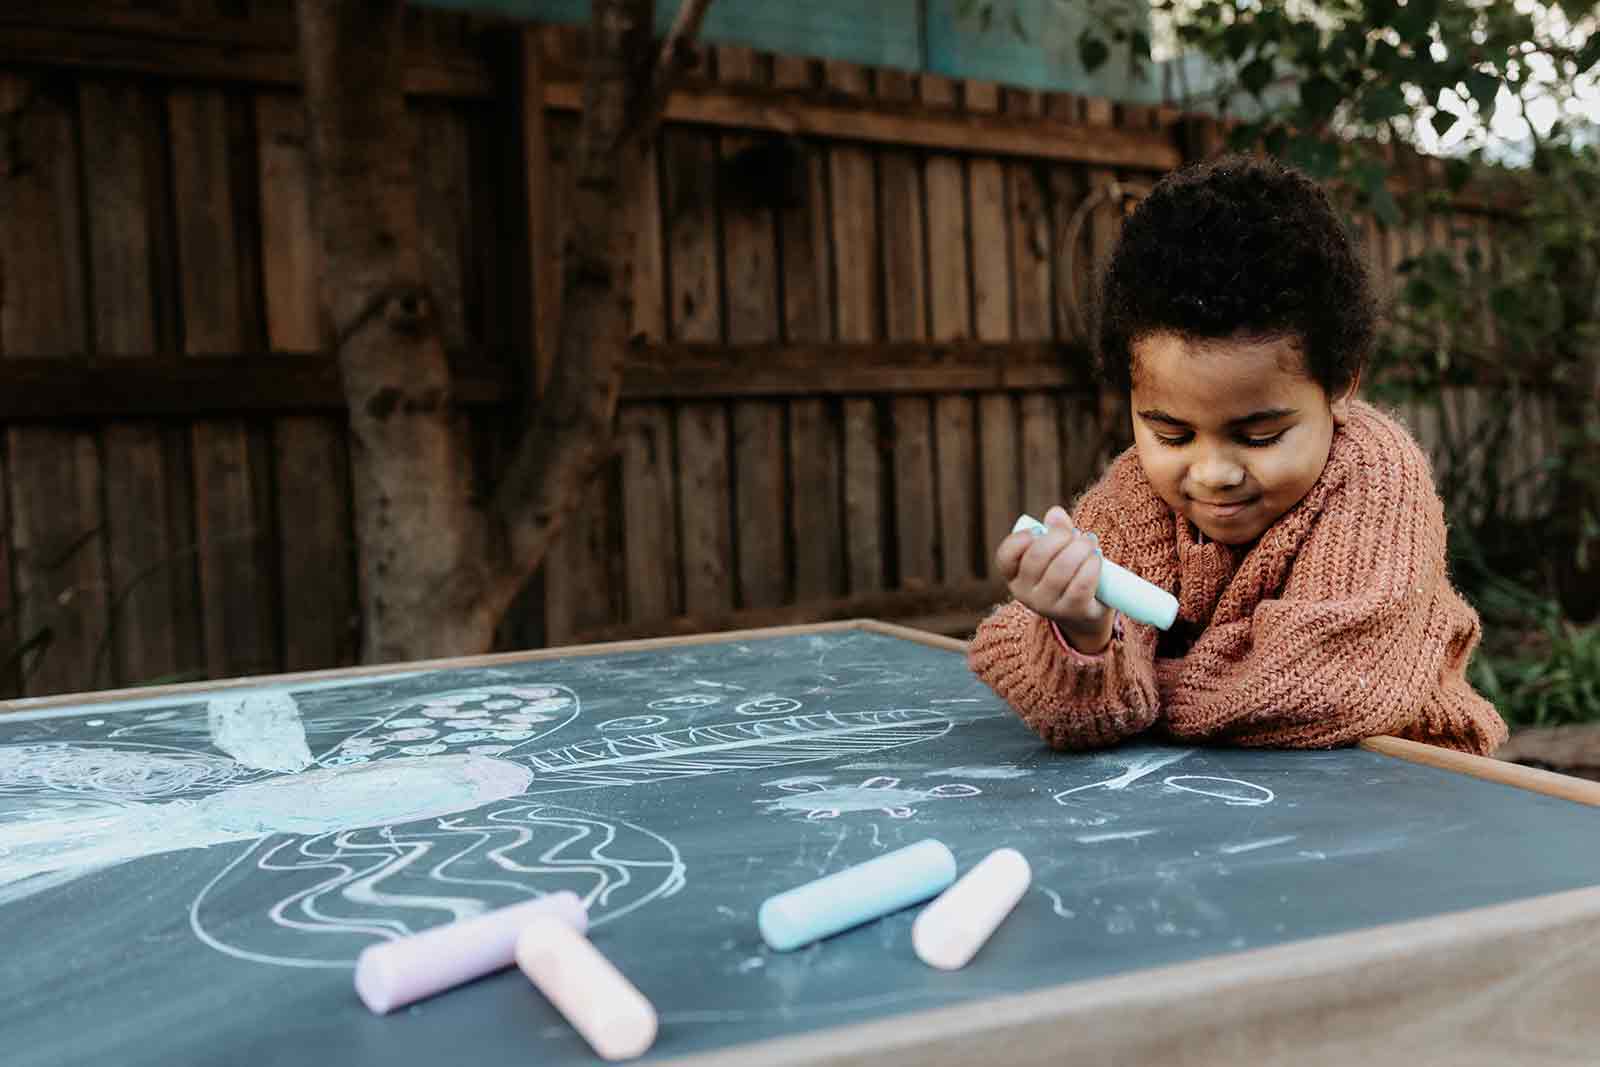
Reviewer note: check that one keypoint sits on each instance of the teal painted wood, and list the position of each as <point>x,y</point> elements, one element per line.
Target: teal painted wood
<point>883,33</point>
<point>1037,50</point>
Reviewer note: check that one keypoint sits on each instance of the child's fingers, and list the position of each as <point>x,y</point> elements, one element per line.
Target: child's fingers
<point>1078,597</point>
<point>1058,580</point>
<point>1057,516</point>
<point>1008,554</point>
<point>1040,551</point>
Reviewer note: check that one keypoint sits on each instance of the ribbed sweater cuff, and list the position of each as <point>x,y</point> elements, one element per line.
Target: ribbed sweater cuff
<point>1069,699</point>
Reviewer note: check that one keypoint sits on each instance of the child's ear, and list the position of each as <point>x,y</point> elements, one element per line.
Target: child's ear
<point>1340,405</point>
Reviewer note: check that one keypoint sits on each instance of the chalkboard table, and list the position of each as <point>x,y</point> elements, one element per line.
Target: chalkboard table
<point>187,874</point>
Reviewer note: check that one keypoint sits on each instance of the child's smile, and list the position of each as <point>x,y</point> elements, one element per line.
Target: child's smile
<point>1231,432</point>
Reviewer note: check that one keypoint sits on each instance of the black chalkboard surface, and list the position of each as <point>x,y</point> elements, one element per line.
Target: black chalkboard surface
<point>189,878</point>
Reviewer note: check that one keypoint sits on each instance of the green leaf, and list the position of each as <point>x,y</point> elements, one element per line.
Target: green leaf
<point>1092,51</point>
<point>1484,88</point>
<point>1141,44</point>
<point>1237,39</point>
<point>1316,157</point>
<point>1017,27</point>
<point>1384,102</point>
<point>1257,75</point>
<point>1589,54</point>
<point>1319,98</point>
<point>1443,121</point>
<point>1414,20</point>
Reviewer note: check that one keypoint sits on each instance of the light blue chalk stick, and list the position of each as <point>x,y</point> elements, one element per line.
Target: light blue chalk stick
<point>856,895</point>
<point>1122,589</point>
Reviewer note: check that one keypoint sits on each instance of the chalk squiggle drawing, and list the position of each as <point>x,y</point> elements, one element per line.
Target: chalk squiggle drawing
<point>346,890</point>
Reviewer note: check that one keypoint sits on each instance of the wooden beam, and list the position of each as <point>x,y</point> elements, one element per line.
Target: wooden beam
<point>75,388</point>
<point>146,386</point>
<point>206,50</point>
<point>679,371</point>
<point>908,124</point>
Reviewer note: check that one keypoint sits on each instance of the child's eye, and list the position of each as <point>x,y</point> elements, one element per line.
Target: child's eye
<point>1263,442</point>
<point>1177,441</point>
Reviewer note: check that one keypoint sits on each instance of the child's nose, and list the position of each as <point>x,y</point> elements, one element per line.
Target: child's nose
<point>1216,470</point>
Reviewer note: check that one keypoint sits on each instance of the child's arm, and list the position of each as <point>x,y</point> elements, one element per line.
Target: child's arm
<point>1367,638</point>
<point>1071,700</point>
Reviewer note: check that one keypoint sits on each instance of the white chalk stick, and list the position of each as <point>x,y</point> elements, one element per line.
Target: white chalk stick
<point>950,931</point>
<point>396,973</point>
<point>855,895</point>
<point>1122,589</point>
<point>587,989</point>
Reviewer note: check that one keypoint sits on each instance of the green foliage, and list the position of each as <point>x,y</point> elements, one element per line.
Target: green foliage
<point>1553,680</point>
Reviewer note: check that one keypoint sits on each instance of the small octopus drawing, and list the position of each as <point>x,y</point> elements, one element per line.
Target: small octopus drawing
<point>813,795</point>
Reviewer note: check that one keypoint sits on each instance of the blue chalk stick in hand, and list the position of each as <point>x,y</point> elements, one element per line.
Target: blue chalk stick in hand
<point>856,895</point>
<point>1122,589</point>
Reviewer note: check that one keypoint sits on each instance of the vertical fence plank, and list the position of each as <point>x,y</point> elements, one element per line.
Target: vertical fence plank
<point>858,304</point>
<point>750,252</point>
<point>984,492</point>
<point>650,519</point>
<point>54,485</point>
<point>233,517</point>
<point>315,536</point>
<point>121,139</point>
<point>815,431</point>
<point>707,547</point>
<point>649,511</point>
<point>900,198</point>
<point>579,591</point>
<point>695,314</point>
<point>815,515</point>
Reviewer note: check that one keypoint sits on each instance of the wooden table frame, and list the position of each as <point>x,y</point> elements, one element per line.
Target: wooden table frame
<point>1512,984</point>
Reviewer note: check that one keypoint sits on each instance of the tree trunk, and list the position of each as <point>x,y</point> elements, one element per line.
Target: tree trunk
<point>438,566</point>
<point>420,536</point>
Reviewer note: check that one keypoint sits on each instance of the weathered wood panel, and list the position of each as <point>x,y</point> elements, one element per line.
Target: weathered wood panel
<point>233,495</point>
<point>56,525</point>
<point>316,550</point>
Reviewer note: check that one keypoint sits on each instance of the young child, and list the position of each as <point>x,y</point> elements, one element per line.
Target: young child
<point>1297,525</point>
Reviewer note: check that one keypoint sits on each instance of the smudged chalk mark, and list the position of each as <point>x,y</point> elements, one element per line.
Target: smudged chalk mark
<point>1251,846</point>
<point>1122,835</point>
<point>1004,770</point>
<point>260,730</point>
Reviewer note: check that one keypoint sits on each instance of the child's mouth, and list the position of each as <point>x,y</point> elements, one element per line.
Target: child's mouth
<point>1223,511</point>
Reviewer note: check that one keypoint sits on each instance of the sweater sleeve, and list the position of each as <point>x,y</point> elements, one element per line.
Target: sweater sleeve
<point>1367,637</point>
<point>1071,700</point>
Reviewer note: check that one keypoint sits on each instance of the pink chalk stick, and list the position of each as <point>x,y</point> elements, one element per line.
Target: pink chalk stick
<point>396,973</point>
<point>595,997</point>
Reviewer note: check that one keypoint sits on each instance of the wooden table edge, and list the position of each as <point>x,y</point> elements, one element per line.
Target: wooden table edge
<point>1322,1000</point>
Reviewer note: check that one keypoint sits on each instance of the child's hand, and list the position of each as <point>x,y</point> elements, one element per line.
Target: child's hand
<point>1056,574</point>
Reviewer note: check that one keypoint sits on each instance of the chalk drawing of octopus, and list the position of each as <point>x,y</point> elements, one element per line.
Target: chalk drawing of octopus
<point>813,795</point>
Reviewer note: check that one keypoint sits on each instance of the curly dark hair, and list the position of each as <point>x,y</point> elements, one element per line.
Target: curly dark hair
<point>1237,246</point>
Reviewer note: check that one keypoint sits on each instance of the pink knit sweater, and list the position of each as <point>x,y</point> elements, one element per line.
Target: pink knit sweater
<point>1339,623</point>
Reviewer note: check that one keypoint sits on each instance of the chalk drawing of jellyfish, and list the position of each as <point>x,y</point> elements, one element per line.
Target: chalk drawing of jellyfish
<point>818,800</point>
<point>344,890</point>
<point>484,720</point>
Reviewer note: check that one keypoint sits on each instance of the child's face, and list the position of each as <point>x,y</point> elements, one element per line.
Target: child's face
<point>1231,432</point>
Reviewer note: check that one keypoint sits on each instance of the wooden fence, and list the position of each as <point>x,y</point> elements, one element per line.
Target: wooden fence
<point>861,359</point>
